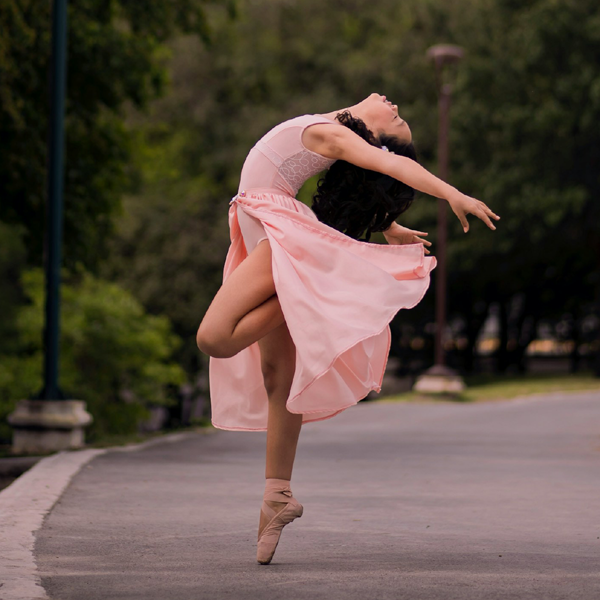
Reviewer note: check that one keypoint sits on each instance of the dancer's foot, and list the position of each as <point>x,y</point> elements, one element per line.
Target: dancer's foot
<point>264,519</point>
<point>278,509</point>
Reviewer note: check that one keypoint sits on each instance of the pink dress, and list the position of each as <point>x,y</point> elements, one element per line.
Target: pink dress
<point>338,295</point>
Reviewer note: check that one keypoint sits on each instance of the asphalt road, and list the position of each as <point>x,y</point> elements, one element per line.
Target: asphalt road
<point>498,500</point>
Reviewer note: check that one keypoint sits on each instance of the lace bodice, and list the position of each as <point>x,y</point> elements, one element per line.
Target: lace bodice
<point>280,162</point>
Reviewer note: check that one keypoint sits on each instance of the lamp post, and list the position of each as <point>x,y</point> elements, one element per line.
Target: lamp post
<point>51,391</point>
<point>440,378</point>
<point>50,422</point>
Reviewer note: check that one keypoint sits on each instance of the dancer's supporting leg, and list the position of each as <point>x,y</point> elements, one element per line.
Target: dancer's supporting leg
<point>244,309</point>
<point>278,358</point>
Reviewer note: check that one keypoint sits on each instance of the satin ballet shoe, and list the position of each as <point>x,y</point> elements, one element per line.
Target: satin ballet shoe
<point>276,490</point>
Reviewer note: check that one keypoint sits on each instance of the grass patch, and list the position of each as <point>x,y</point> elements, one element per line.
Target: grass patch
<point>481,388</point>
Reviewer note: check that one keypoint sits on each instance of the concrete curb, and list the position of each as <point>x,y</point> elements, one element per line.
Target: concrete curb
<point>27,500</point>
<point>23,506</point>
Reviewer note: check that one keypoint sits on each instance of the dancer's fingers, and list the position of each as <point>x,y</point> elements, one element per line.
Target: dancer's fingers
<point>486,220</point>
<point>489,211</point>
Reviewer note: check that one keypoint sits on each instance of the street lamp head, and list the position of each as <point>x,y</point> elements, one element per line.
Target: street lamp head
<point>442,56</point>
<point>445,54</point>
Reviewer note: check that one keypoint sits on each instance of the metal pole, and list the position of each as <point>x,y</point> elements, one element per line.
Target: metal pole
<point>51,390</point>
<point>440,297</point>
<point>439,378</point>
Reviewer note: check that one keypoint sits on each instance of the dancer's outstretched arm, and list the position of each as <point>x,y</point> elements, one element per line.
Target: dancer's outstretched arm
<point>343,144</point>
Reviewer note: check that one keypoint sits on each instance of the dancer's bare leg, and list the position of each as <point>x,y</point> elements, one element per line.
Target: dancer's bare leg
<point>244,309</point>
<point>278,360</point>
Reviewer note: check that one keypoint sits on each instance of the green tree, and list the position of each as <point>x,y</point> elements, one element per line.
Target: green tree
<point>116,60</point>
<point>114,356</point>
<point>522,140</point>
<point>115,55</point>
<point>525,140</point>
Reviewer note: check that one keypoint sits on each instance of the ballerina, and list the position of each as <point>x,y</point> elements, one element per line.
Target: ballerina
<point>299,330</point>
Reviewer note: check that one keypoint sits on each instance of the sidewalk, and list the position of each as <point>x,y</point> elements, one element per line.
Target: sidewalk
<point>497,500</point>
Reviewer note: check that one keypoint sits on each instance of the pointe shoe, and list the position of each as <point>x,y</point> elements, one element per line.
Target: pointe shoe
<point>277,490</point>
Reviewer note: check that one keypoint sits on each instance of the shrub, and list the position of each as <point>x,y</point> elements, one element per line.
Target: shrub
<point>113,355</point>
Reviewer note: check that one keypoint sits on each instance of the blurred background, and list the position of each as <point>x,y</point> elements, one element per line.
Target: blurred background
<point>166,98</point>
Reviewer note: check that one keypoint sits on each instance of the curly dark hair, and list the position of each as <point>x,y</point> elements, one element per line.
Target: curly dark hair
<point>358,201</point>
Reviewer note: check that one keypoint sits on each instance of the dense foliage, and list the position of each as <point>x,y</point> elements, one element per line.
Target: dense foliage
<point>524,139</point>
<point>113,355</point>
<point>115,55</point>
<point>116,60</point>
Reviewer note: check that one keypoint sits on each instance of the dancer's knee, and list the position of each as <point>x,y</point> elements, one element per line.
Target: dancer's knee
<point>212,342</point>
<point>277,378</point>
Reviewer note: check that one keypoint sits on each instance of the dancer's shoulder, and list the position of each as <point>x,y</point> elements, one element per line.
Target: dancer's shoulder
<point>300,121</point>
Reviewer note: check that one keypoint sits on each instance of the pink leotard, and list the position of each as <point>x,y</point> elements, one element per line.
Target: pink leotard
<point>278,163</point>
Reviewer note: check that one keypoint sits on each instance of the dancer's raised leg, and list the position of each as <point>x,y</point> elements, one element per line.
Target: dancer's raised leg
<point>244,309</point>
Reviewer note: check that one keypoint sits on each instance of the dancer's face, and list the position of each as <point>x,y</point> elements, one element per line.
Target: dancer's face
<point>384,118</point>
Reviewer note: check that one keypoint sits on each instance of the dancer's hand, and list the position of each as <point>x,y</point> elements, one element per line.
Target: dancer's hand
<point>397,234</point>
<point>462,205</point>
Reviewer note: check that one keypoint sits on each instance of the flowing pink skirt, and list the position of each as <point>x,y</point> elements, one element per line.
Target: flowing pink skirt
<point>338,296</point>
